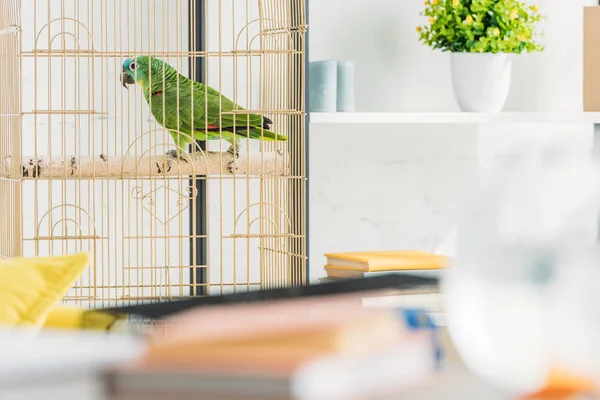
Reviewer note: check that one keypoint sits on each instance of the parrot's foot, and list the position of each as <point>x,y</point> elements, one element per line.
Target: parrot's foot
<point>232,166</point>
<point>234,152</point>
<point>175,155</point>
<point>171,155</point>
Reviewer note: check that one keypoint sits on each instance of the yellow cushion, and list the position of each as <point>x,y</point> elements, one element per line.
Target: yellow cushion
<point>30,287</point>
<point>63,316</point>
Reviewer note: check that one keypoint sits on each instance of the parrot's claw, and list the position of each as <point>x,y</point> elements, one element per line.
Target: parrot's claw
<point>234,152</point>
<point>175,155</point>
<point>232,166</point>
<point>171,155</point>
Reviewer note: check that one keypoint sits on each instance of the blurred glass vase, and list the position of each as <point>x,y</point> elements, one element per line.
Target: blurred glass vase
<point>521,297</point>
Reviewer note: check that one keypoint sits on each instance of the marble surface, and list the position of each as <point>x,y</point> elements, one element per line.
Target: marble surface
<point>387,187</point>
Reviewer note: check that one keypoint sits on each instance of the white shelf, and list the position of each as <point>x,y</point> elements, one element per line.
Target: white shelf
<point>455,118</point>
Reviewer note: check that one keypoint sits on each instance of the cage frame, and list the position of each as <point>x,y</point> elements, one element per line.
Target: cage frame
<point>198,223</point>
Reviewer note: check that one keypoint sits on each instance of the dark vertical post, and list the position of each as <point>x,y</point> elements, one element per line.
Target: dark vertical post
<point>198,228</point>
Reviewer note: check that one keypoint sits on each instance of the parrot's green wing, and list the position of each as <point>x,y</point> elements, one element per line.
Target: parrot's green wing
<point>187,104</point>
<point>219,110</point>
<point>168,114</point>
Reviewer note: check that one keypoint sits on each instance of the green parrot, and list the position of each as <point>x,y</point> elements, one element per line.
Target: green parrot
<point>211,119</point>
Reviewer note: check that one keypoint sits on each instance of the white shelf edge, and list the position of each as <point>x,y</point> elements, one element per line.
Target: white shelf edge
<point>455,118</point>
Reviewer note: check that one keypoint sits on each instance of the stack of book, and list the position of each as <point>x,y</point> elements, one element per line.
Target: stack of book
<point>310,348</point>
<point>358,264</point>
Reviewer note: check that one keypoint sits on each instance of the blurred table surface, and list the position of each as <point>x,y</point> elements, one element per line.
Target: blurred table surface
<point>455,382</point>
<point>67,362</point>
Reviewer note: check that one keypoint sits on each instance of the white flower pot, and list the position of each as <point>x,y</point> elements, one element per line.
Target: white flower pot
<point>481,81</point>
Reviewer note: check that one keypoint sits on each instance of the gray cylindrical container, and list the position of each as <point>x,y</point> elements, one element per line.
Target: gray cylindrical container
<point>322,91</point>
<point>345,86</point>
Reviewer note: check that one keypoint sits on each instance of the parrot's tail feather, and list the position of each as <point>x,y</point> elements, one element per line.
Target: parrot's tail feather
<point>267,123</point>
<point>264,134</point>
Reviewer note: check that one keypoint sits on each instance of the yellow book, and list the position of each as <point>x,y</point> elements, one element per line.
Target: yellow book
<point>381,261</point>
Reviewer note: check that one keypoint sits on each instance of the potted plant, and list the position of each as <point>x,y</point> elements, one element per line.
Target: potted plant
<point>481,36</point>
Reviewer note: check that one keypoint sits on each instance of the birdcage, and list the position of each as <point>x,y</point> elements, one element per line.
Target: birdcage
<point>173,191</point>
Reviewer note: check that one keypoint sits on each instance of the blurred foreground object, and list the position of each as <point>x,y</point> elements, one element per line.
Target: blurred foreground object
<point>61,364</point>
<point>520,295</point>
<point>322,348</point>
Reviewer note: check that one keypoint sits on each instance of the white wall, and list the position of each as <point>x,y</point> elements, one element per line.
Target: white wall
<point>395,187</point>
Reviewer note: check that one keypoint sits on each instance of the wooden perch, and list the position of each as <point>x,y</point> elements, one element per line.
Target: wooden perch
<point>102,166</point>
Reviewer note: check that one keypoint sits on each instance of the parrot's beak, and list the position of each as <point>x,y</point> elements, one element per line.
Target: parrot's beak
<point>126,79</point>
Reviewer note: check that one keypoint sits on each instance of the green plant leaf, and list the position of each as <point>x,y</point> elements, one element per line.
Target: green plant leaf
<point>481,26</point>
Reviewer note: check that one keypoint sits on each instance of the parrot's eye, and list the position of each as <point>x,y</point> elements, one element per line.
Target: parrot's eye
<point>133,66</point>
